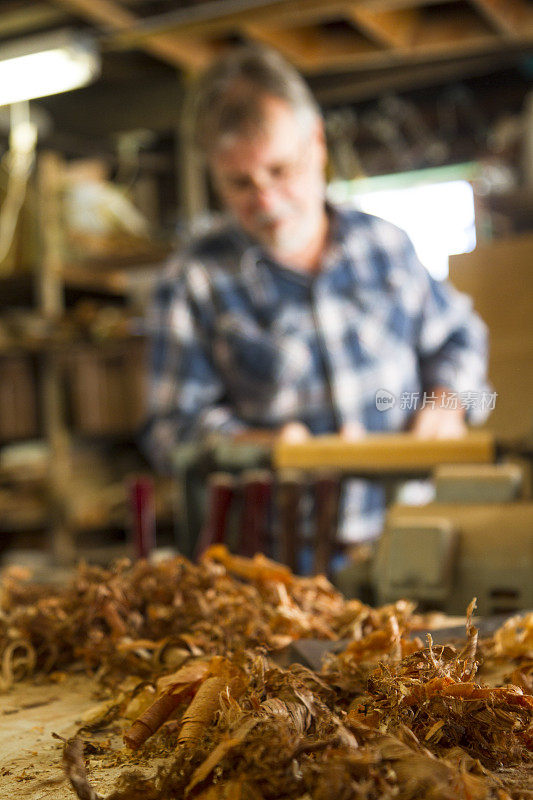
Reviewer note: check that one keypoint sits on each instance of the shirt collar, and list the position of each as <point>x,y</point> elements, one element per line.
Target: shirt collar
<point>257,267</point>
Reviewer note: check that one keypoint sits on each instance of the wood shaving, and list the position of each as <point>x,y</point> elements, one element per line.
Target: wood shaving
<point>386,718</point>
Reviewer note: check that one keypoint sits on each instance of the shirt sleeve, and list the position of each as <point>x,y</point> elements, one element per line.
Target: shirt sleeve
<point>186,395</point>
<point>452,340</point>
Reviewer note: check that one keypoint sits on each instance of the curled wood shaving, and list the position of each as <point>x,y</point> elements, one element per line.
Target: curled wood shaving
<point>151,720</point>
<point>18,661</point>
<point>75,770</point>
<point>515,637</point>
<point>258,568</point>
<point>201,711</point>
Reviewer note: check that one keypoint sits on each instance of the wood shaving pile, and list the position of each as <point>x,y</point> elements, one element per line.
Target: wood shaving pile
<point>189,653</point>
<point>142,618</point>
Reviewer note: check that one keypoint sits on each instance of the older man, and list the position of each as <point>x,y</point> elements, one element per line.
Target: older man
<point>294,314</point>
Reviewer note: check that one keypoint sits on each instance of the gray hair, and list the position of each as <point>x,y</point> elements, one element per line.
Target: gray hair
<point>227,98</point>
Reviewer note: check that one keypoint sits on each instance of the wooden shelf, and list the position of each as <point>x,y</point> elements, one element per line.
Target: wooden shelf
<point>112,282</point>
<point>18,288</point>
<point>63,347</point>
<point>24,522</point>
<point>79,381</point>
<point>149,258</point>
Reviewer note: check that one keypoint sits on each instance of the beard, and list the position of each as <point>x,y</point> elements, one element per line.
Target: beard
<point>285,231</point>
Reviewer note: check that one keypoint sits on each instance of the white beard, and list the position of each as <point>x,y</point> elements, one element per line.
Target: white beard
<point>289,238</point>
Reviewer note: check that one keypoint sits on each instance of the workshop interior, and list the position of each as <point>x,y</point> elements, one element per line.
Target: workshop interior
<point>110,566</point>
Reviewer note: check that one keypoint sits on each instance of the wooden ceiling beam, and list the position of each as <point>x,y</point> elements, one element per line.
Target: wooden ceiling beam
<point>30,18</point>
<point>430,38</point>
<point>215,19</point>
<point>195,21</point>
<point>312,48</point>
<point>394,31</point>
<point>510,17</point>
<point>392,5</point>
<point>396,28</point>
<point>411,31</point>
<point>296,45</point>
<point>174,50</point>
<point>391,58</point>
<point>452,32</point>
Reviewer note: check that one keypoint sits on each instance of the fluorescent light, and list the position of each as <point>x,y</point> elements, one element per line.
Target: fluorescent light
<point>45,65</point>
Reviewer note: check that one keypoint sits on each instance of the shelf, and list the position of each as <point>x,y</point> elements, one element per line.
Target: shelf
<point>151,257</point>
<point>113,282</point>
<point>65,347</point>
<point>22,475</point>
<point>77,379</point>
<point>19,288</point>
<point>24,523</point>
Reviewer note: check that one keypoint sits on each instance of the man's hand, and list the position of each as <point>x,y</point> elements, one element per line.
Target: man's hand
<point>438,422</point>
<point>298,432</point>
<point>290,432</point>
<point>352,431</point>
<point>294,432</point>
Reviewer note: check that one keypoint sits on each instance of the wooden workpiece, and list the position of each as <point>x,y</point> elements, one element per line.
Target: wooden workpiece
<point>383,454</point>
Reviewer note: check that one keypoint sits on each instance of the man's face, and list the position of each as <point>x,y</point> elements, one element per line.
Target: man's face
<point>273,182</point>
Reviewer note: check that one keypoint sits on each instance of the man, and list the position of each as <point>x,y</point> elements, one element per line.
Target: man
<point>295,314</point>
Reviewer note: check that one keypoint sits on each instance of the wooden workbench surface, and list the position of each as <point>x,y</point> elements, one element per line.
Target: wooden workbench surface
<point>30,758</point>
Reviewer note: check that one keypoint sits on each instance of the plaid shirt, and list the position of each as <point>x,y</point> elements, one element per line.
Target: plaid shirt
<point>240,341</point>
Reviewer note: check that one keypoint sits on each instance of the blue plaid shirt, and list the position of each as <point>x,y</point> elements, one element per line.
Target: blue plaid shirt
<point>240,341</point>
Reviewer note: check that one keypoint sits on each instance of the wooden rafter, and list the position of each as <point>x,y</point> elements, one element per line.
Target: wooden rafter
<point>175,50</point>
<point>274,14</point>
<point>395,28</point>
<point>511,17</point>
<point>392,5</point>
<point>200,20</point>
<point>412,33</point>
<point>29,18</point>
<point>310,46</point>
<point>453,32</point>
<point>382,33</point>
<point>295,45</point>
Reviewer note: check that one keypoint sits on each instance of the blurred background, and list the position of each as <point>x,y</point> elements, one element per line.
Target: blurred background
<point>429,117</point>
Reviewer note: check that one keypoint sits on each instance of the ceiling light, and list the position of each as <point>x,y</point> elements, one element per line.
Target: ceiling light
<point>43,65</point>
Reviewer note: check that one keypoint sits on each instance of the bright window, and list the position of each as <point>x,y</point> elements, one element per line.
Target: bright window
<point>438,216</point>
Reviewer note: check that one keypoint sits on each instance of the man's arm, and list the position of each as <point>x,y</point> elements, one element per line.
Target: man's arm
<point>452,345</point>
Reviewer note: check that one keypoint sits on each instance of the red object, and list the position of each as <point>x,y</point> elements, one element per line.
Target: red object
<point>256,493</point>
<point>221,490</point>
<point>142,498</point>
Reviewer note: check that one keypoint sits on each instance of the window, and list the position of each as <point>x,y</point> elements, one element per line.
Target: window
<point>435,208</point>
